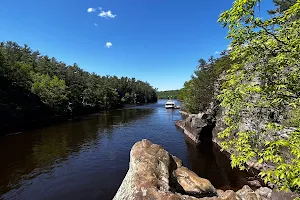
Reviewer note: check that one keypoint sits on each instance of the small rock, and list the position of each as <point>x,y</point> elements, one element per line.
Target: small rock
<point>192,183</point>
<point>220,193</point>
<point>254,183</point>
<point>264,192</point>
<point>229,195</point>
<point>246,193</point>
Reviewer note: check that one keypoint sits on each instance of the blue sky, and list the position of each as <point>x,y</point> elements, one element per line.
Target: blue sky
<point>158,41</point>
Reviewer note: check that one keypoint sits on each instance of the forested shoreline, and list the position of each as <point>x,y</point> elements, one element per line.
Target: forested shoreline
<point>198,92</point>
<point>173,94</point>
<point>37,88</point>
<point>254,89</point>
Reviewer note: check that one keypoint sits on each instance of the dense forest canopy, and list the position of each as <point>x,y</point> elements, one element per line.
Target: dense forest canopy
<point>34,85</point>
<point>173,94</point>
<point>260,89</point>
<point>199,91</point>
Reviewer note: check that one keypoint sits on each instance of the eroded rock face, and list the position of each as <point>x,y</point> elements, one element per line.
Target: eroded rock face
<point>198,127</point>
<point>155,174</point>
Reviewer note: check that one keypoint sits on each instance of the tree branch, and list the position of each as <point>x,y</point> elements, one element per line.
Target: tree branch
<point>272,34</point>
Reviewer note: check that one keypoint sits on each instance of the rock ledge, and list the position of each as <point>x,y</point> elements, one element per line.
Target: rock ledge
<point>155,174</point>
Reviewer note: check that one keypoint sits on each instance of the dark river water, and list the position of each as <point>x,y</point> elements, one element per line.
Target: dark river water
<point>88,158</point>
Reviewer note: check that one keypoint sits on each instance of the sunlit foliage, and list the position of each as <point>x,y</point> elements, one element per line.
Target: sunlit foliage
<point>262,91</point>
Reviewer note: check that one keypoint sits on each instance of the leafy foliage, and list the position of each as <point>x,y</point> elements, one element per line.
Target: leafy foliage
<point>261,90</point>
<point>199,91</point>
<point>52,91</point>
<point>282,5</point>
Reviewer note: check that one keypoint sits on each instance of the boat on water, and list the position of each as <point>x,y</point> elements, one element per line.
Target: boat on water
<point>170,104</point>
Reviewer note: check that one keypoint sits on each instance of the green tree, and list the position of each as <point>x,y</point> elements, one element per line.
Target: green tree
<point>263,85</point>
<point>52,91</point>
<point>27,76</point>
<point>174,94</point>
<point>198,92</point>
<point>282,5</point>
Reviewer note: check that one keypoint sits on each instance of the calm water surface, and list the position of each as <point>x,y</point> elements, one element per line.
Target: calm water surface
<point>88,159</point>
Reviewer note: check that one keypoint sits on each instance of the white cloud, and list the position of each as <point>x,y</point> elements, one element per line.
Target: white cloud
<point>91,10</point>
<point>229,48</point>
<point>107,14</point>
<point>108,44</point>
<point>100,8</point>
<point>95,24</point>
<point>217,52</point>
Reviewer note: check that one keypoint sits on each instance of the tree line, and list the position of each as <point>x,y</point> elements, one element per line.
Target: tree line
<point>199,92</point>
<point>35,86</point>
<point>174,94</point>
<point>260,85</point>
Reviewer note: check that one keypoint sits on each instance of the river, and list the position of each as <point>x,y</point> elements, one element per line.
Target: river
<point>88,158</point>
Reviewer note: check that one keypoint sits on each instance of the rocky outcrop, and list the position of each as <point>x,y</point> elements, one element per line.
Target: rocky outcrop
<point>199,127</point>
<point>193,135</point>
<point>155,174</point>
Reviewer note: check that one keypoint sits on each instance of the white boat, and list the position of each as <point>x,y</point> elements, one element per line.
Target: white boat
<point>170,104</point>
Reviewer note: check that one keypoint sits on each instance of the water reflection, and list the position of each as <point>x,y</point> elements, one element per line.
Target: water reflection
<point>88,159</point>
<point>208,162</point>
<point>28,155</point>
<point>171,114</point>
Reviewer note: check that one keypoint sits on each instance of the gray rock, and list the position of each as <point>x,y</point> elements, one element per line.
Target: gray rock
<point>283,195</point>
<point>254,183</point>
<point>229,195</point>
<point>264,192</point>
<point>246,193</point>
<point>198,127</point>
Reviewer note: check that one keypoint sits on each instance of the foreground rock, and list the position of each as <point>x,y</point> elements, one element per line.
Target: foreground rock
<point>155,174</point>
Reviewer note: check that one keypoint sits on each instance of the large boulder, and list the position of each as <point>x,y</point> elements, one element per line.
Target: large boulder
<point>155,174</point>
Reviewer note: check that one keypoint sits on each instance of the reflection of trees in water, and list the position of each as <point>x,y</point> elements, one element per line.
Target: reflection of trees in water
<point>36,152</point>
<point>208,162</point>
<point>118,117</point>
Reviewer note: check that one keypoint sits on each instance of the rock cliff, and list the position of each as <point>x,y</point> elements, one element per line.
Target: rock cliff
<point>206,125</point>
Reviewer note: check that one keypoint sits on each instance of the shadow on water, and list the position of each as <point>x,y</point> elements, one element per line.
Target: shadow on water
<point>207,160</point>
<point>26,156</point>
